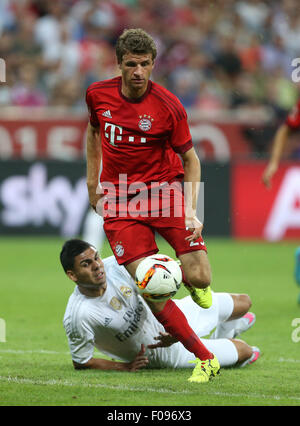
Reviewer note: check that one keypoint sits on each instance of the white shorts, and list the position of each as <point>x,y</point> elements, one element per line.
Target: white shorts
<point>203,322</point>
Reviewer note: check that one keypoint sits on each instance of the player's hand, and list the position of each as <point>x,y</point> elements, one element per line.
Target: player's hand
<point>140,360</point>
<point>164,340</point>
<point>194,225</point>
<point>268,174</point>
<point>97,199</point>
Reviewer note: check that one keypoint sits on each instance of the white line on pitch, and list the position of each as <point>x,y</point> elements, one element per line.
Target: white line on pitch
<point>288,360</point>
<point>33,351</point>
<point>54,382</point>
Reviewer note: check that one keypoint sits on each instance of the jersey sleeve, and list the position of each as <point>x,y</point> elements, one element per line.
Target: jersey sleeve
<point>92,113</point>
<point>293,119</point>
<point>81,342</point>
<point>181,139</point>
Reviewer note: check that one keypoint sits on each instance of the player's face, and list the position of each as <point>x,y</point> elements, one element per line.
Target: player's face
<point>89,269</point>
<point>136,71</point>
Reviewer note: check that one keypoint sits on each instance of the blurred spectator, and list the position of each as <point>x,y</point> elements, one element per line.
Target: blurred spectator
<point>7,17</point>
<point>254,13</point>
<point>274,56</point>
<point>69,93</point>
<point>26,92</point>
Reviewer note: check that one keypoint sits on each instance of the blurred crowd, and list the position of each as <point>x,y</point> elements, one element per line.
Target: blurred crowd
<point>214,55</point>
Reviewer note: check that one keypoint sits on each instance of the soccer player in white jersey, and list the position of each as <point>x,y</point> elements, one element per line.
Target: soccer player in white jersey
<point>105,311</point>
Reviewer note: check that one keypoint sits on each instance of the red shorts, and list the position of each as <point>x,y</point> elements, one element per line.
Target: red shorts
<point>133,238</point>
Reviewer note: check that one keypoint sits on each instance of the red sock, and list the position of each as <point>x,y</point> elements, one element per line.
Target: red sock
<point>175,323</point>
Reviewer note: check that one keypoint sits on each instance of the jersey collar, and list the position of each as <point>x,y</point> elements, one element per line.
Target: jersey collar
<point>137,100</point>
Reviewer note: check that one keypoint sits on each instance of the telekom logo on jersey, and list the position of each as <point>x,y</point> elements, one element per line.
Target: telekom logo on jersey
<point>137,198</point>
<point>115,134</point>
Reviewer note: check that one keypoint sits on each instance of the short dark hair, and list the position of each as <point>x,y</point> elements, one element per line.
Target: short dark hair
<point>70,250</point>
<point>135,40</point>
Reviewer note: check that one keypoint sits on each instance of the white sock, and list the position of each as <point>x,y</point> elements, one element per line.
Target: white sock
<point>93,232</point>
<point>223,349</point>
<point>225,329</point>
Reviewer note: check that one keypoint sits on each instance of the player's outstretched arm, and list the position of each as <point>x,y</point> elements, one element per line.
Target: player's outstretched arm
<point>192,177</point>
<point>140,361</point>
<point>280,140</point>
<point>93,159</point>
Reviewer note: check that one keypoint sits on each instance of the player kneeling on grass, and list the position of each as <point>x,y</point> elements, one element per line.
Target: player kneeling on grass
<point>105,311</point>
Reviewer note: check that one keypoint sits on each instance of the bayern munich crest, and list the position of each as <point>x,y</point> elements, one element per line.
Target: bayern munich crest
<point>145,122</point>
<point>119,249</point>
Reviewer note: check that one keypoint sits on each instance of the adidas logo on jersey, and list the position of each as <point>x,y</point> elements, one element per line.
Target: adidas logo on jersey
<point>107,114</point>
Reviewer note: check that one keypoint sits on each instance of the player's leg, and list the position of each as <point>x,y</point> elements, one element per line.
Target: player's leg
<point>195,265</point>
<point>196,274</point>
<point>233,319</point>
<point>170,223</point>
<point>93,231</point>
<point>229,352</point>
<point>175,322</point>
<point>120,236</point>
<point>196,268</point>
<point>234,316</point>
<point>193,256</point>
<point>241,305</point>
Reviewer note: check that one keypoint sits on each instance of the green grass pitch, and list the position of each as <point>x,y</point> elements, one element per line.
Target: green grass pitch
<point>36,369</point>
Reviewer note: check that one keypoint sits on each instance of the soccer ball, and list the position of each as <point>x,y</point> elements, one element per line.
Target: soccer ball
<point>158,277</point>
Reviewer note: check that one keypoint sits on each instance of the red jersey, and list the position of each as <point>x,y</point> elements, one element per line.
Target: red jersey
<point>140,138</point>
<point>293,119</point>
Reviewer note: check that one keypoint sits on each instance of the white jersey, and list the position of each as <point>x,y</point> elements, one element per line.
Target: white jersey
<point>119,321</point>
<point>115,323</point>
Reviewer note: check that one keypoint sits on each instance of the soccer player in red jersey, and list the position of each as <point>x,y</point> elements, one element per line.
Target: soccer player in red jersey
<point>291,124</point>
<point>283,132</point>
<point>137,129</point>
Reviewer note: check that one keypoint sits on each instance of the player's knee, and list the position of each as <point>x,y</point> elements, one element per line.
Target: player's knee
<point>199,278</point>
<point>243,349</point>
<point>245,302</point>
<point>242,304</point>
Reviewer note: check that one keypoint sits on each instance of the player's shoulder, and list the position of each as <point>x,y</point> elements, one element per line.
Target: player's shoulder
<point>110,262</point>
<point>112,268</point>
<point>103,85</point>
<point>170,100</point>
<point>76,312</point>
<point>76,305</point>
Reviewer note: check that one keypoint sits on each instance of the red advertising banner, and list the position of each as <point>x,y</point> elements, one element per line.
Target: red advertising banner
<point>42,138</point>
<point>52,138</point>
<point>219,141</point>
<point>257,212</point>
